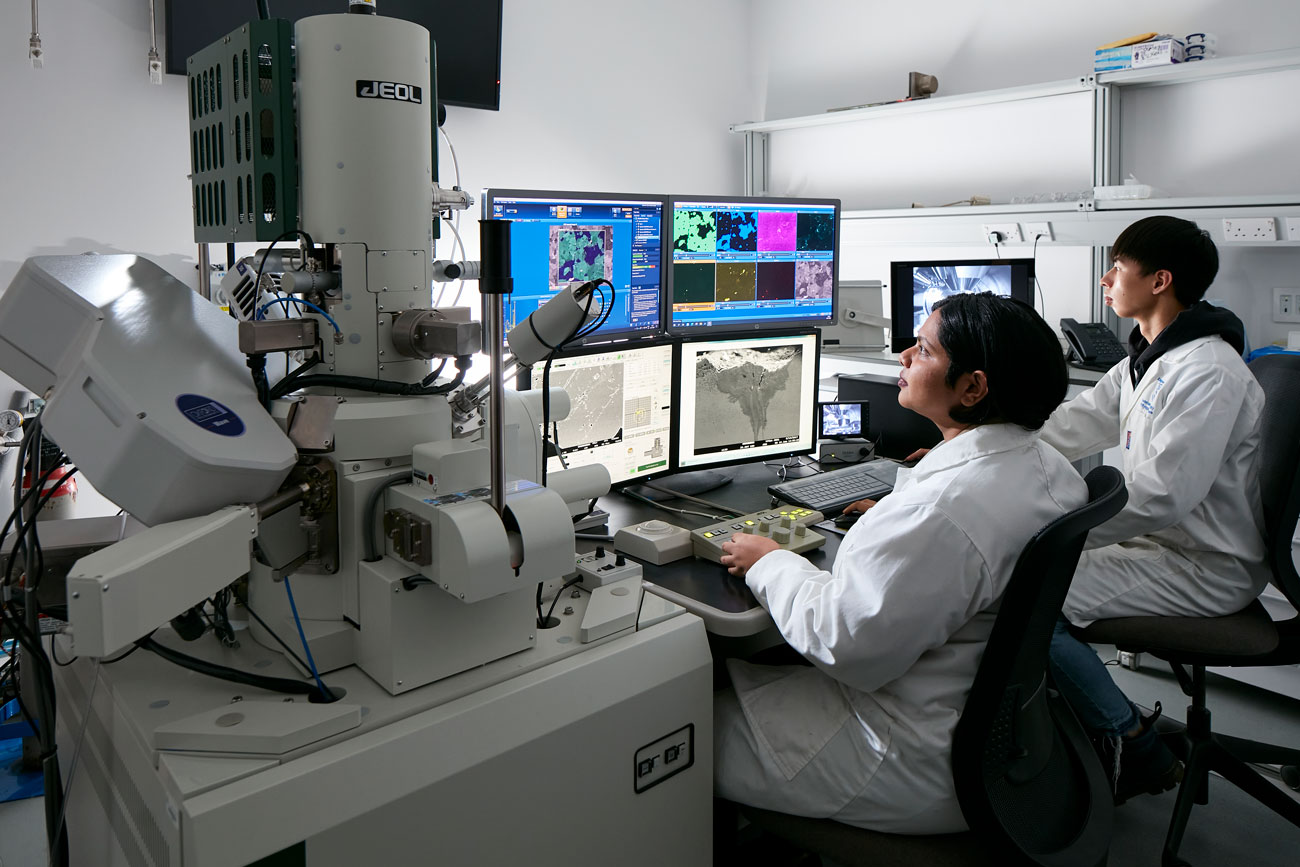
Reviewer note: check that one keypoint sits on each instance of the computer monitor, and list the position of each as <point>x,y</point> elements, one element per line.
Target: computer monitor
<point>621,401</point>
<point>743,398</point>
<point>563,237</point>
<point>915,287</point>
<point>745,263</point>
<point>842,419</point>
<point>896,430</point>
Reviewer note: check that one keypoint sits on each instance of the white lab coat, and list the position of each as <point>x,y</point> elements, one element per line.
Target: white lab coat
<point>895,632</point>
<point>1189,542</point>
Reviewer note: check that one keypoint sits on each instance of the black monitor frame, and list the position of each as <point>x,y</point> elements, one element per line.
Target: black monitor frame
<point>523,382</point>
<point>490,199</point>
<point>864,418</point>
<point>776,323</point>
<point>902,310</point>
<point>742,456</point>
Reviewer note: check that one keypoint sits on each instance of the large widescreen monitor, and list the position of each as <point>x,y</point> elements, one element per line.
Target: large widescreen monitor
<point>915,287</point>
<point>745,263</point>
<point>621,403</point>
<point>744,398</point>
<point>564,237</point>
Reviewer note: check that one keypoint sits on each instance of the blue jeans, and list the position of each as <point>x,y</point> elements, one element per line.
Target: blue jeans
<point>1086,684</point>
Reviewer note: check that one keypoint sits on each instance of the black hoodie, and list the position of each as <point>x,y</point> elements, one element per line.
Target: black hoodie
<point>1202,319</point>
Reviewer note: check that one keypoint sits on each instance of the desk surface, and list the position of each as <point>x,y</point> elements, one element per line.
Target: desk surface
<point>701,586</point>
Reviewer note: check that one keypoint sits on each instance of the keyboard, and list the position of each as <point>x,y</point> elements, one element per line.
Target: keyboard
<point>831,491</point>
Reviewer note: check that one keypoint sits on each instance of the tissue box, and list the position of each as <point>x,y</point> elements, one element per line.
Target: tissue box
<point>1154,52</point>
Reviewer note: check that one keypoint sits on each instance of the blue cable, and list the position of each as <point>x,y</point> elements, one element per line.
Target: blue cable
<point>285,301</point>
<point>297,622</point>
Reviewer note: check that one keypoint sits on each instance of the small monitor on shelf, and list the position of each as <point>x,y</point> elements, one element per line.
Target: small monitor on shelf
<point>915,287</point>
<point>841,419</point>
<point>745,398</point>
<point>621,401</point>
<point>563,237</point>
<point>749,263</point>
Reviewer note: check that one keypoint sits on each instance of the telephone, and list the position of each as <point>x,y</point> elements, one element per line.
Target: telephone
<point>1092,345</point>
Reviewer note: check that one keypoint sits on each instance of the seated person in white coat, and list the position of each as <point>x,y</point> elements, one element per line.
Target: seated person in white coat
<point>896,629</point>
<point>1184,411</point>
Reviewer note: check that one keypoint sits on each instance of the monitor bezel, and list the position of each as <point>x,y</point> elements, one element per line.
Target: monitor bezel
<point>765,325</point>
<point>523,382</point>
<point>491,194</point>
<point>901,326</point>
<point>679,364</point>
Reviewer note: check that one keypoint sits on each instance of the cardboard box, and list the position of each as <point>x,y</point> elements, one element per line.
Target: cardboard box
<point>1160,51</point>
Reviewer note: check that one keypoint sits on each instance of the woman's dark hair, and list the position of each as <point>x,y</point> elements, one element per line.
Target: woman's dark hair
<point>1175,245</point>
<point>1017,351</point>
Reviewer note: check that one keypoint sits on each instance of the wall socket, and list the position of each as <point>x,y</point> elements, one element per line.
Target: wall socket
<point>1006,232</point>
<point>1286,305</point>
<point>1037,230</point>
<point>1252,229</point>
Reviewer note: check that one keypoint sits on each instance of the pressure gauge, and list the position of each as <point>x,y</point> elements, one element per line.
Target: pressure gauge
<point>10,420</point>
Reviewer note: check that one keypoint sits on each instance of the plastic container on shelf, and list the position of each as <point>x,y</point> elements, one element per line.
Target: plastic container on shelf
<point>1130,189</point>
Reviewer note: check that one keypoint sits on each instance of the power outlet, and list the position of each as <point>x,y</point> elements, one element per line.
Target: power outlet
<point>1293,228</point>
<point>604,567</point>
<point>1252,229</point>
<point>1002,233</point>
<point>1286,305</point>
<point>1041,231</point>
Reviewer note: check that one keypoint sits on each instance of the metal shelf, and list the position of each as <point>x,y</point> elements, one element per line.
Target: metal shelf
<point>1201,70</point>
<point>915,106</point>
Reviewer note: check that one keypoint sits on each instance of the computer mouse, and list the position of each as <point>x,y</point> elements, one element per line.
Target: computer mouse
<point>847,519</point>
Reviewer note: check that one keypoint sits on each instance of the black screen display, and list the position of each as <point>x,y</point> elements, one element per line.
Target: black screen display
<point>466,35</point>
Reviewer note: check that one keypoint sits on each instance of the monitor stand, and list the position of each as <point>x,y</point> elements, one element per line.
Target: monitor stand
<point>690,483</point>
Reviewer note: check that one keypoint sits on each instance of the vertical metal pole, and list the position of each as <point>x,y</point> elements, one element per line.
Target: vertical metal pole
<point>494,282</point>
<point>205,273</point>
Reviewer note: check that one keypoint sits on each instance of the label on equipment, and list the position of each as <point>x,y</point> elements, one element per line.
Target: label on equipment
<point>389,90</point>
<point>660,760</point>
<point>210,415</point>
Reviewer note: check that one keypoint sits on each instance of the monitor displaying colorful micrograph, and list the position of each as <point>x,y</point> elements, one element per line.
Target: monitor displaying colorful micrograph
<point>745,263</point>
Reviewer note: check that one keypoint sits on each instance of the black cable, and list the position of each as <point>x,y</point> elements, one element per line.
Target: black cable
<point>371,503</point>
<point>1037,285</point>
<point>558,593</point>
<point>262,11</point>
<point>376,386</point>
<point>433,376</point>
<point>273,634</point>
<point>234,675</point>
<point>311,246</point>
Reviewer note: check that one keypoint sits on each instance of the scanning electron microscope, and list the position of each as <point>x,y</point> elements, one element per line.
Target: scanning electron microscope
<point>397,696</point>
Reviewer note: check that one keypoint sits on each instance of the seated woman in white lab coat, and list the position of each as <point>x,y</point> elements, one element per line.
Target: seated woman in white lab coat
<point>896,629</point>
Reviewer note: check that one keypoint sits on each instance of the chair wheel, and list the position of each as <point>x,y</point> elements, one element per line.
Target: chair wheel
<point>1291,776</point>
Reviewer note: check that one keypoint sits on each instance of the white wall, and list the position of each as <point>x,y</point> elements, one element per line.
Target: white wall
<point>1223,137</point>
<point>93,157</point>
<point>812,56</point>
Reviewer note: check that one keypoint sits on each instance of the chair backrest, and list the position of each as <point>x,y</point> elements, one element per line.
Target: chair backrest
<point>1026,775</point>
<point>1279,464</point>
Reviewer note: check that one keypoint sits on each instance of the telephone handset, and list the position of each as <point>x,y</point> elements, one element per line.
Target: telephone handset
<point>1093,345</point>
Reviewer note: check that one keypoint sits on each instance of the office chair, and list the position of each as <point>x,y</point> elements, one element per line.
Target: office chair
<point>1248,638</point>
<point>1028,780</point>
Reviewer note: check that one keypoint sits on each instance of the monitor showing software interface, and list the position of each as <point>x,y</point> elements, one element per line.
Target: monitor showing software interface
<point>745,398</point>
<point>621,410</point>
<point>562,237</point>
<point>746,263</point>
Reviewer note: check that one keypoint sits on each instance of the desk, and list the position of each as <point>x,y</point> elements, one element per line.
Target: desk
<point>700,586</point>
